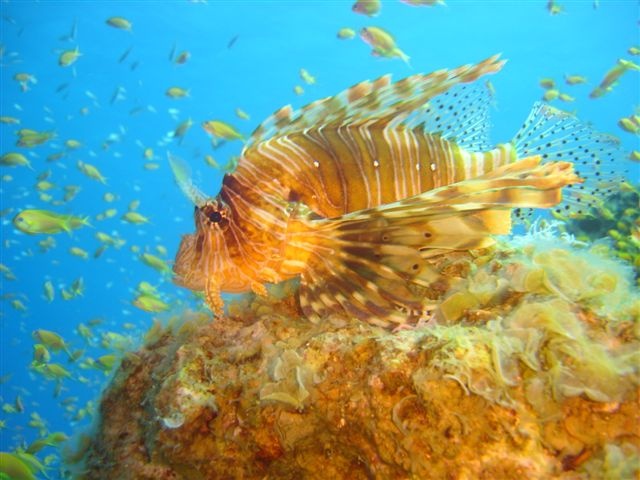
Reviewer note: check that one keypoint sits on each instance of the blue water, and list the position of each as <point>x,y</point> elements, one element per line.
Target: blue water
<point>257,73</point>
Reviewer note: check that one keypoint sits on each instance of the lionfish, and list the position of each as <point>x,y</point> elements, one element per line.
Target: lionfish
<point>358,193</point>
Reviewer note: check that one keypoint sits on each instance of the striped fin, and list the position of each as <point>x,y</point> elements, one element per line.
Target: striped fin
<point>182,176</point>
<point>459,115</point>
<point>371,264</point>
<point>557,135</point>
<point>388,103</point>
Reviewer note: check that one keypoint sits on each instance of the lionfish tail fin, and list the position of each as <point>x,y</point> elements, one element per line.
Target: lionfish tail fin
<point>557,135</point>
<point>375,264</point>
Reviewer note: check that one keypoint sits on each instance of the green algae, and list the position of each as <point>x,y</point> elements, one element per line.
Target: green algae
<point>555,329</point>
<point>291,379</point>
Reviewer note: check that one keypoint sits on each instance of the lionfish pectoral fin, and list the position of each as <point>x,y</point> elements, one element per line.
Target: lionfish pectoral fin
<point>213,298</point>
<point>374,264</point>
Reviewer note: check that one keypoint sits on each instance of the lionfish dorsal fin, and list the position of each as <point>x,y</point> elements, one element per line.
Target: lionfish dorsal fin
<point>411,101</point>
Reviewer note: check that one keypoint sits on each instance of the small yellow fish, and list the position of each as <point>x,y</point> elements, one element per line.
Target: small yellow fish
<point>634,156</point>
<point>151,166</point>
<point>40,354</point>
<point>11,466</point>
<point>9,120</point>
<point>382,43</point>
<point>72,144</point>
<point>221,129</point>
<point>51,340</point>
<point>182,58</point>
<point>91,171</point>
<point>70,192</point>
<point>298,90</point>
<point>79,252</point>
<point>145,288</point>
<point>370,8</point>
<point>177,92</point>
<point>56,156</point>
<point>119,22</point>
<point>346,33</point>
<point>106,362</point>
<point>612,76</point>
<point>155,262</point>
<point>24,79</point>
<point>6,272</point>
<point>566,98</point>
<point>547,83</point>
<point>18,305</point>
<point>550,95</point>
<point>148,153</point>
<point>51,440</point>
<point>575,79</point>
<point>182,129</point>
<point>134,204</point>
<point>209,160</point>
<point>44,175</point>
<point>628,125</point>
<point>8,408</point>
<point>109,197</point>
<point>307,77</point>
<point>115,341</point>
<point>242,114</point>
<point>150,303</point>
<point>18,404</point>
<point>13,159</point>
<point>634,51</point>
<point>554,8</point>
<point>86,333</point>
<point>44,185</point>
<point>99,251</point>
<point>34,221</point>
<point>47,244</point>
<point>30,138</point>
<point>69,57</point>
<point>66,295</point>
<point>135,218</point>
<point>53,371</point>
<point>49,291</point>
<point>77,287</point>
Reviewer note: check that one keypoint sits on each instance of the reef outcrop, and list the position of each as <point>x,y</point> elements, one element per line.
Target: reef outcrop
<point>527,367</point>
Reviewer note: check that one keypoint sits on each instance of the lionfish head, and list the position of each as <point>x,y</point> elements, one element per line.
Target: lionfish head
<point>207,255</point>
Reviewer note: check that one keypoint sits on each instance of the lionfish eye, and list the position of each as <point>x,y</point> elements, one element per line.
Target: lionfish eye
<point>215,217</point>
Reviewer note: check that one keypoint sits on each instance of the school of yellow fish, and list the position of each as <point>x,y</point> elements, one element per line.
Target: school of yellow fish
<point>52,215</point>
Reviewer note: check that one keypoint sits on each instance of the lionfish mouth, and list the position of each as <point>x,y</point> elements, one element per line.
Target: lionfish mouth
<point>185,274</point>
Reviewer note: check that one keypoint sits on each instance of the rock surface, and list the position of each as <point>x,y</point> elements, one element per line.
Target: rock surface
<point>527,368</point>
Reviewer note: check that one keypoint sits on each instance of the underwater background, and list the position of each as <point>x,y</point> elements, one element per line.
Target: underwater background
<point>110,108</point>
